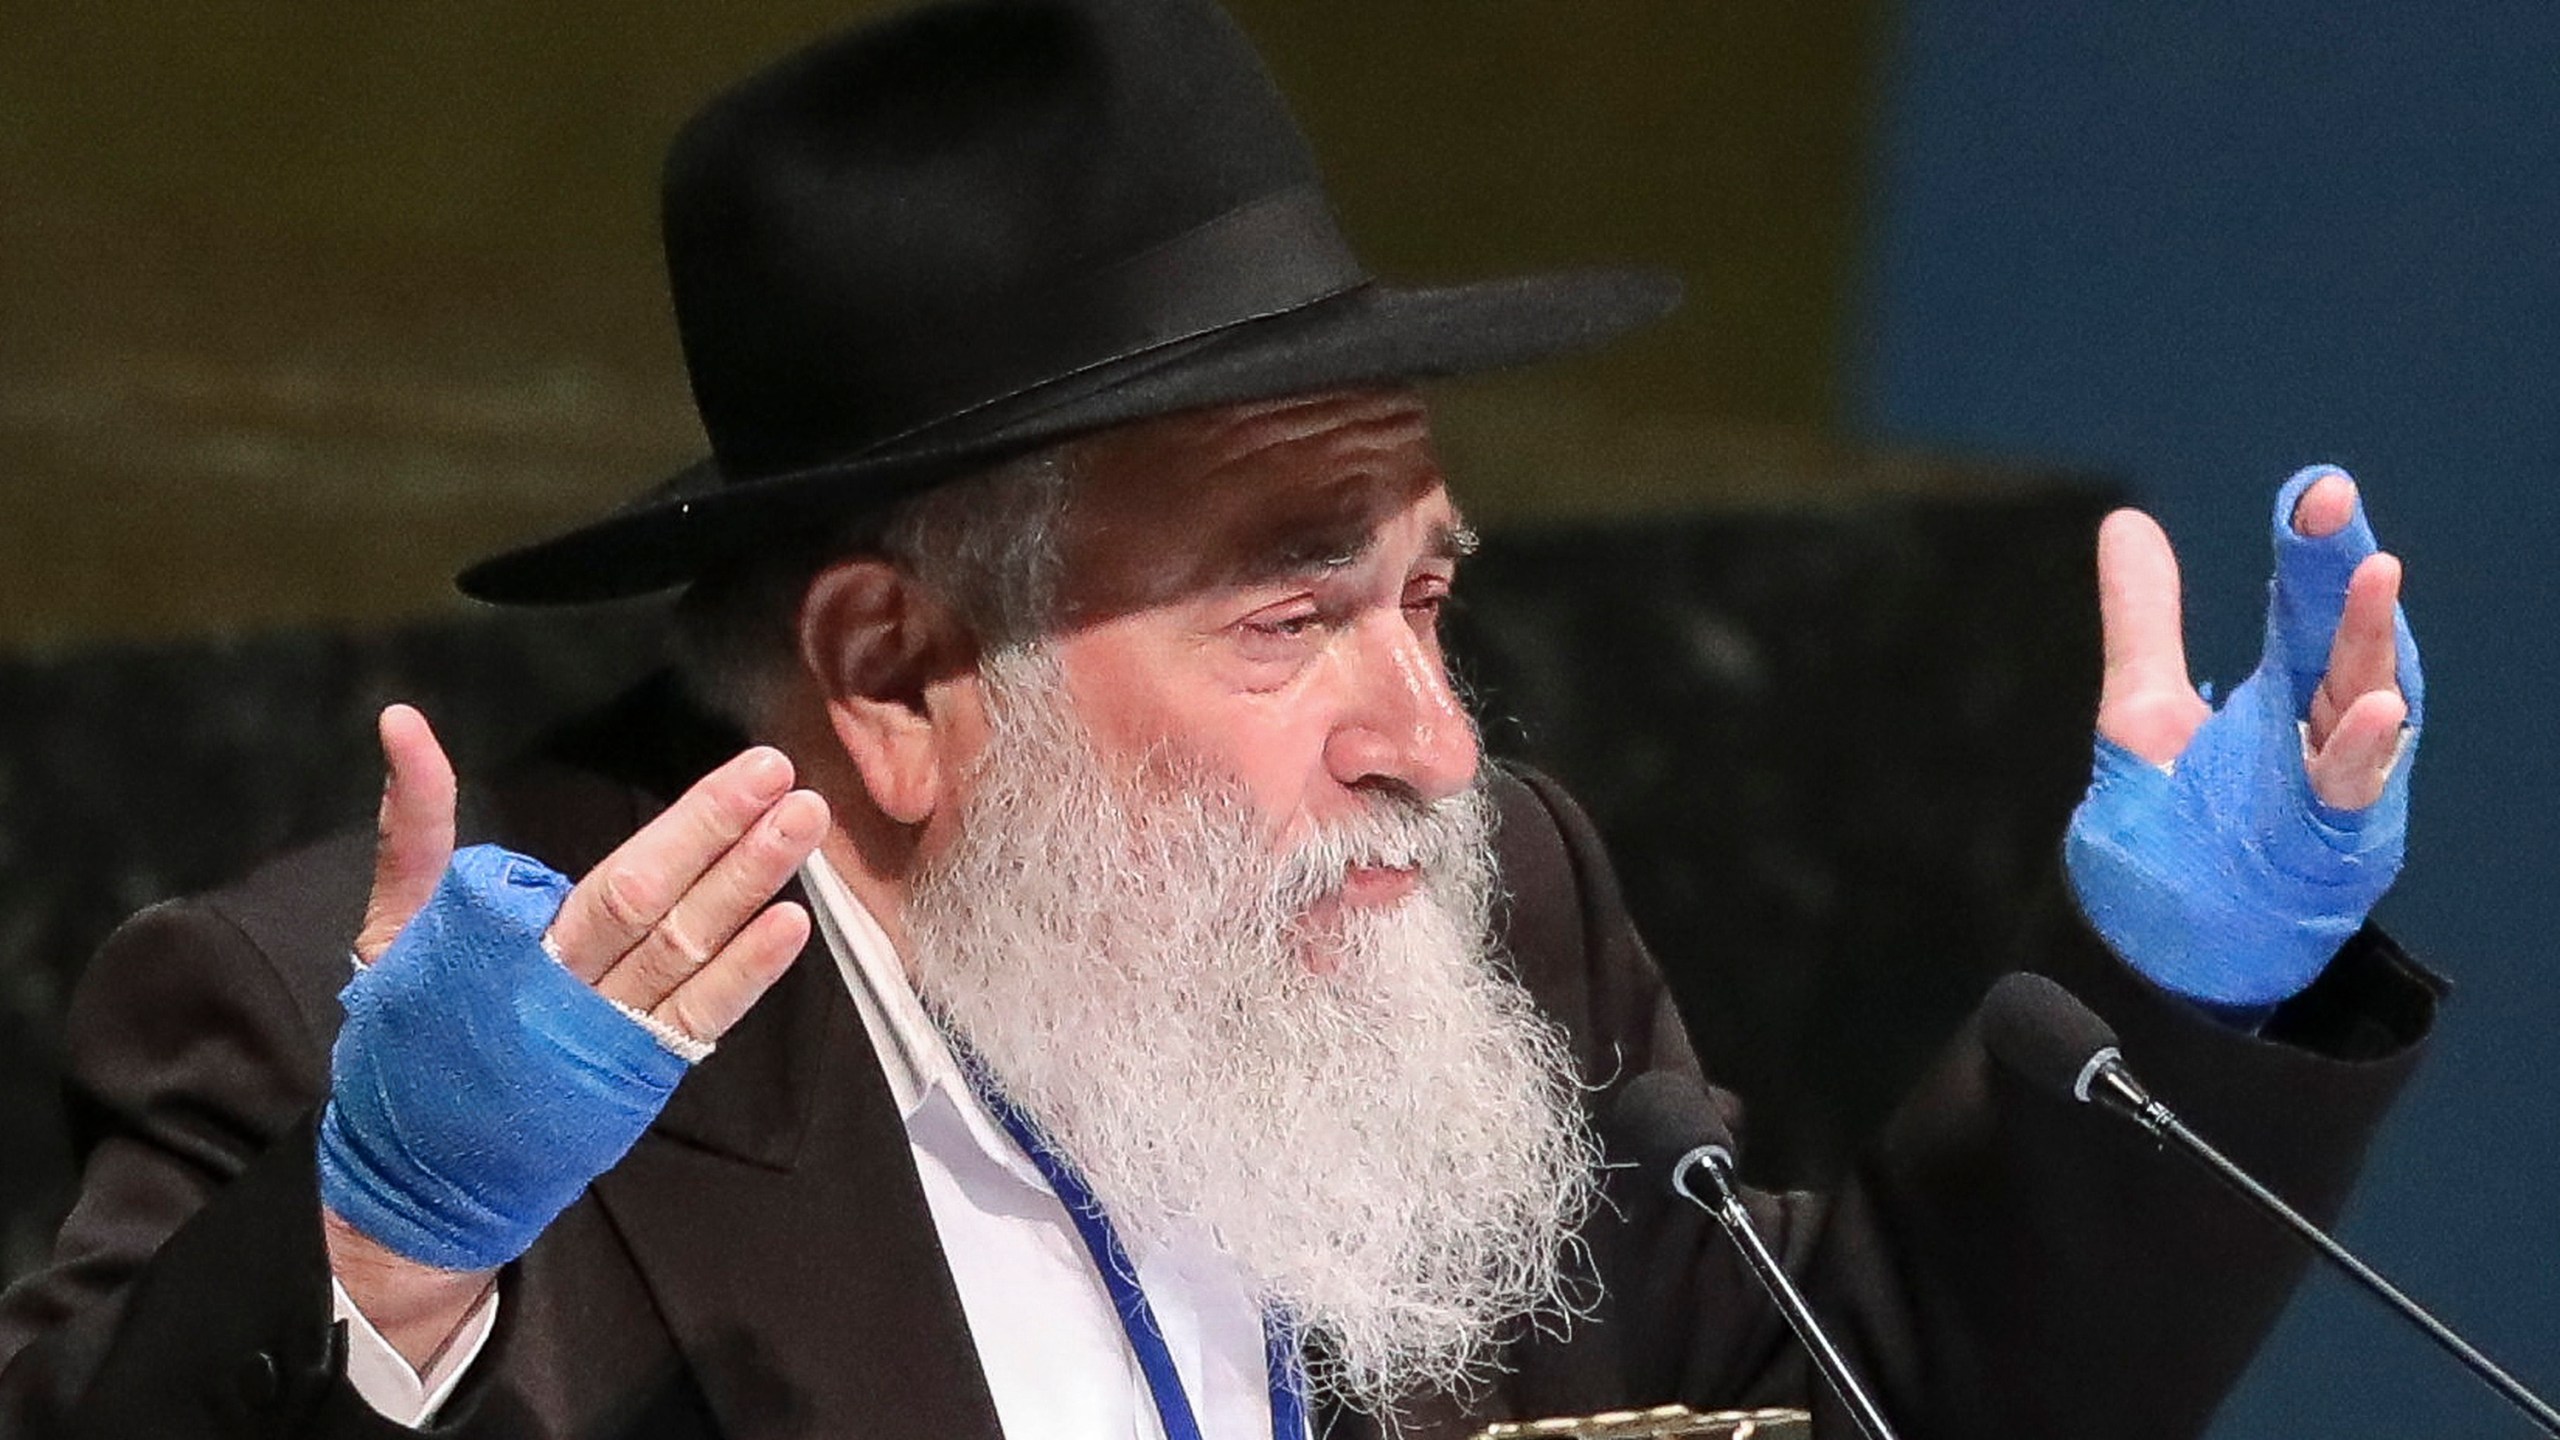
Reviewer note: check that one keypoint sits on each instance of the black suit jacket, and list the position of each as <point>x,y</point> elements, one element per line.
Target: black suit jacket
<point>763,1264</point>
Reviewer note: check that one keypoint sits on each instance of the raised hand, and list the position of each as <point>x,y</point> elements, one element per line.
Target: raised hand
<point>646,926</point>
<point>477,1084</point>
<point>2354,711</point>
<point>2227,853</point>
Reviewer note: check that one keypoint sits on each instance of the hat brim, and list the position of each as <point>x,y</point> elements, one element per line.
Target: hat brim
<point>1373,334</point>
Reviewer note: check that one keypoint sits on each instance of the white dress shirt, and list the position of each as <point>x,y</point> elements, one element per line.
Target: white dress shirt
<point>1049,1340</point>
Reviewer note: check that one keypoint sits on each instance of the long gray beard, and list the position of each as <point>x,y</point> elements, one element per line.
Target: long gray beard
<point>1365,1114</point>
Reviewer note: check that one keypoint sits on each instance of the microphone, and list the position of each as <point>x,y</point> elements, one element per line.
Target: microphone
<point>2043,1034</point>
<point>1677,1133</point>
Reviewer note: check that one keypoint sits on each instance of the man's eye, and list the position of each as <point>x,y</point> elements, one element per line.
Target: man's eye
<point>1286,627</point>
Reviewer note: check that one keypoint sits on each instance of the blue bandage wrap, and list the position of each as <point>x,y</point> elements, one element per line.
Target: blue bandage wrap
<point>477,1086</point>
<point>2223,878</point>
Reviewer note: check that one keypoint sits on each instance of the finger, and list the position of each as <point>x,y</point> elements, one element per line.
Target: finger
<point>2145,701</point>
<point>2312,568</point>
<point>2364,655</point>
<point>413,831</point>
<point>703,921</point>
<point>2350,772</point>
<point>618,902</point>
<point>2326,506</point>
<point>715,996</point>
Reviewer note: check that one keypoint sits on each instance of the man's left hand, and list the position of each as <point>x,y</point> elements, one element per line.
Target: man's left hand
<point>2356,710</point>
<point>2226,853</point>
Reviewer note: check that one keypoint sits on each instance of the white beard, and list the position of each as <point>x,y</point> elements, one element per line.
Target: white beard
<point>1367,1115</point>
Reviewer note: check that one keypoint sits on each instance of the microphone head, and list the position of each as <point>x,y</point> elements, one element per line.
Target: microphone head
<point>1664,1118</point>
<point>2043,1033</point>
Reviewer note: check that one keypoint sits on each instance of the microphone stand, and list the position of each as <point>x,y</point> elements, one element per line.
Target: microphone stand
<point>2107,1076</point>
<point>1717,1161</point>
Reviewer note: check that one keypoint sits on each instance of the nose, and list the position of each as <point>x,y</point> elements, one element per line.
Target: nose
<point>1401,726</point>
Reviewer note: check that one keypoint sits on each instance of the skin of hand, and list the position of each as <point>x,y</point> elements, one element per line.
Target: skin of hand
<point>680,922</point>
<point>2148,705</point>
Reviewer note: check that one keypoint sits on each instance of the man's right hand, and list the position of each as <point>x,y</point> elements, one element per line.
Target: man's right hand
<point>678,924</point>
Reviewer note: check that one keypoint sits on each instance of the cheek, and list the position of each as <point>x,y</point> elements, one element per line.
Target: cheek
<point>1277,749</point>
<point>1122,689</point>
<point>1139,695</point>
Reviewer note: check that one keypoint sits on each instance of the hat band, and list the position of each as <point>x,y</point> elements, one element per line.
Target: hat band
<point>1265,258</point>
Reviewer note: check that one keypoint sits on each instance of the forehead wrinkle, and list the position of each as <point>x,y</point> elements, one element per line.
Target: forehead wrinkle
<point>1388,430</point>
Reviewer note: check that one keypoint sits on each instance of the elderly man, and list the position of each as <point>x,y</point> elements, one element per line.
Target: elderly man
<point>1171,1027</point>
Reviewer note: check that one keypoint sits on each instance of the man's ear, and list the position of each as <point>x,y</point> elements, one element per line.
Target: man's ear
<point>877,645</point>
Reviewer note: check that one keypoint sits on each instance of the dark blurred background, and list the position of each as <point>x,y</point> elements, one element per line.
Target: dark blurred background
<point>301,305</point>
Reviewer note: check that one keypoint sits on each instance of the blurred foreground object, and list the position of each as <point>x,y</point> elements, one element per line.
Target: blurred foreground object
<point>1668,1422</point>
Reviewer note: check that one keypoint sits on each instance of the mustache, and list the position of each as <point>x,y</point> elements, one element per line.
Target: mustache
<point>1394,830</point>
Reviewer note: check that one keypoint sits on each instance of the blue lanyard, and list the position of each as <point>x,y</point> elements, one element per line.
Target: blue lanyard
<point>1120,1278</point>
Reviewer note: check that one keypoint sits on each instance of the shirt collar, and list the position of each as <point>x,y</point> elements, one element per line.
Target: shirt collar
<point>922,1073</point>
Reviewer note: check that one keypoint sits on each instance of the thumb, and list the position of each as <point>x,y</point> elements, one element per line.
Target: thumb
<point>414,832</point>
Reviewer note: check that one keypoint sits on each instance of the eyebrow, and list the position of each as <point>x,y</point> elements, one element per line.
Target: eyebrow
<point>1328,547</point>
<point>1455,540</point>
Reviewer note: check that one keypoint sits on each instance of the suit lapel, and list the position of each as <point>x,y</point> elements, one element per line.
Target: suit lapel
<point>775,1216</point>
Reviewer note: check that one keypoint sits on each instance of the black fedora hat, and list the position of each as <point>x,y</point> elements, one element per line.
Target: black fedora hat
<point>980,227</point>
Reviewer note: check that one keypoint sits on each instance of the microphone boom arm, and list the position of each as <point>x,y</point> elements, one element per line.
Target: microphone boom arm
<point>2108,1082</point>
<point>1726,1206</point>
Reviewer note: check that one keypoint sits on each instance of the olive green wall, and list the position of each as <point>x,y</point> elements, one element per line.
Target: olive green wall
<point>301,304</point>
